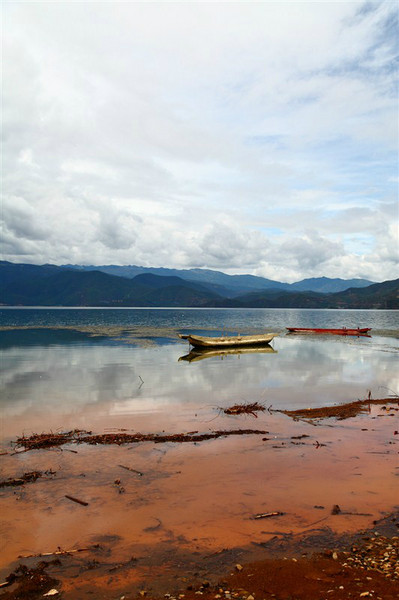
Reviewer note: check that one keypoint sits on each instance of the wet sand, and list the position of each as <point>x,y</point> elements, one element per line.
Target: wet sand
<point>182,514</point>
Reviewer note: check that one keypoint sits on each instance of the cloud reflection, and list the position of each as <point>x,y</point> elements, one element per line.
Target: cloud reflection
<point>124,380</point>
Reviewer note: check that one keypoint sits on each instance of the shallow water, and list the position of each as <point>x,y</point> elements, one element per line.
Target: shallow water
<point>58,379</point>
<point>192,497</point>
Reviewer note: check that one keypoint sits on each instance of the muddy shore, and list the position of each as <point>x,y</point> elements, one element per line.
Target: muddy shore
<point>362,565</point>
<point>304,505</point>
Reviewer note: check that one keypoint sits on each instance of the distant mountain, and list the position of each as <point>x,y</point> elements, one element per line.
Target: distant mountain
<point>275,299</point>
<point>379,295</point>
<point>325,285</point>
<point>172,291</point>
<point>238,282</point>
<point>65,288</point>
<point>15,272</point>
<point>50,285</point>
<point>220,283</point>
<point>69,287</point>
<point>230,286</point>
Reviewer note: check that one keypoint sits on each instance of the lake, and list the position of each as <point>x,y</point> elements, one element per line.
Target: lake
<point>229,319</point>
<point>60,361</point>
<point>126,370</point>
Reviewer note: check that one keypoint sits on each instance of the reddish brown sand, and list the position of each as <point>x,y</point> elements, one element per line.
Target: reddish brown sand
<point>184,513</point>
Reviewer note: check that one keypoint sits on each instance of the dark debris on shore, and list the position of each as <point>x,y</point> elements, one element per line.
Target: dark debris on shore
<point>77,436</point>
<point>250,408</point>
<point>29,477</point>
<point>340,412</point>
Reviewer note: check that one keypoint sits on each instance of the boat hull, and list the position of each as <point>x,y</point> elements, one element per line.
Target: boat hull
<point>342,331</point>
<point>241,341</point>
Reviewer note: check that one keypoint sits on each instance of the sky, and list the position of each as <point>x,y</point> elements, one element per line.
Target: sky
<point>243,137</point>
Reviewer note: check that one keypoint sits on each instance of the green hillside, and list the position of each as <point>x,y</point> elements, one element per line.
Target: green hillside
<point>49,285</point>
<point>383,295</point>
<point>64,287</point>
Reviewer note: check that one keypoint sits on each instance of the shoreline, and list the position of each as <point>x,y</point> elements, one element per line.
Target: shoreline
<point>363,564</point>
<point>134,515</point>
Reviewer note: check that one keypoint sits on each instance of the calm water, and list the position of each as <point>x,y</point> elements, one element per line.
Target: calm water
<point>57,377</point>
<point>197,318</point>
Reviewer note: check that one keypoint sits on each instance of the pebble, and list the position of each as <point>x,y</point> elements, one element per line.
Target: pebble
<point>381,555</point>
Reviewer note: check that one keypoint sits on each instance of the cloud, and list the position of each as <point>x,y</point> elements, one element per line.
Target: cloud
<point>22,220</point>
<point>310,251</point>
<point>226,243</point>
<point>196,134</point>
<point>118,231</point>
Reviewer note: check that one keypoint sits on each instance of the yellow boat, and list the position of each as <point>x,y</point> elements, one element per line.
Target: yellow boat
<point>227,341</point>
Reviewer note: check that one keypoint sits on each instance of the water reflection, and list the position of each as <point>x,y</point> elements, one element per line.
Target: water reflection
<point>199,354</point>
<point>92,375</point>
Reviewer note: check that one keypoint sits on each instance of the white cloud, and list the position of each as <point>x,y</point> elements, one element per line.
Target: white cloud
<point>202,134</point>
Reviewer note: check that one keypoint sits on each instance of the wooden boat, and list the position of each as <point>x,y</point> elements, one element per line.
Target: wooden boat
<point>342,331</point>
<point>201,353</point>
<point>237,341</point>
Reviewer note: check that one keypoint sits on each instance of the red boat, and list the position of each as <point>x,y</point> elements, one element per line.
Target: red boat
<point>342,331</point>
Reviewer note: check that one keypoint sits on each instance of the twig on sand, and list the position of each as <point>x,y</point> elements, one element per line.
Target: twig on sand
<point>276,513</point>
<point>60,552</point>
<point>82,502</point>
<point>132,470</point>
<point>336,510</point>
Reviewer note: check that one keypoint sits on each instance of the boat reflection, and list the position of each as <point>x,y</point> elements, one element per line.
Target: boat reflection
<point>199,354</point>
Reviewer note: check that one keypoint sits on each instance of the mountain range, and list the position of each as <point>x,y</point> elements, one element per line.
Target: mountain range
<point>229,285</point>
<point>113,285</point>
